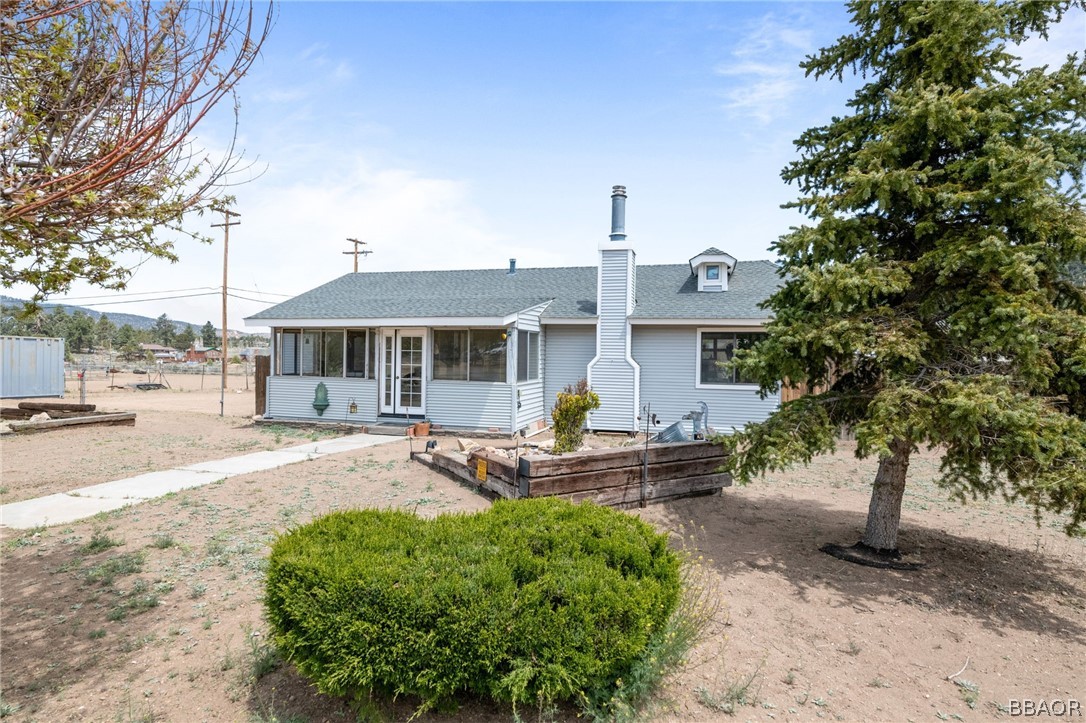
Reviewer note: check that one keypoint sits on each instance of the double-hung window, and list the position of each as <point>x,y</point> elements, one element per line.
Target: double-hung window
<point>715,349</point>
<point>527,356</point>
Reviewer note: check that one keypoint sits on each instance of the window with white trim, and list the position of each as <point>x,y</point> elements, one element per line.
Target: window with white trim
<point>715,349</point>
<point>327,352</point>
<point>469,355</point>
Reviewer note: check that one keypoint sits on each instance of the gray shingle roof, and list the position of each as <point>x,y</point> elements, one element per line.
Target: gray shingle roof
<point>406,294</point>
<point>671,292</point>
<point>663,292</point>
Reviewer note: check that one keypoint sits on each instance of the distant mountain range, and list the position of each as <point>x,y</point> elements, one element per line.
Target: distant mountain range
<point>118,318</point>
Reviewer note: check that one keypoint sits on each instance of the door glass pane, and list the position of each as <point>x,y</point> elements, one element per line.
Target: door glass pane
<point>411,371</point>
<point>390,370</point>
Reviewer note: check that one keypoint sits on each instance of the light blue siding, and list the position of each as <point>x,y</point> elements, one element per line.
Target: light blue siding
<point>567,350</point>
<point>292,398</point>
<point>669,360</point>
<point>469,405</point>
<point>612,375</point>
<point>529,402</point>
<point>527,396</point>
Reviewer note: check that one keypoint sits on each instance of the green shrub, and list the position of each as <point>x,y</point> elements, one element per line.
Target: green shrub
<point>533,601</point>
<point>569,415</point>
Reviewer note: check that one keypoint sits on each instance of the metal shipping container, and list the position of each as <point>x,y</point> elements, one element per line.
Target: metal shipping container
<point>31,366</point>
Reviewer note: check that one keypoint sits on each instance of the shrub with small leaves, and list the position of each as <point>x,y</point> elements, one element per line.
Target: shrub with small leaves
<point>569,415</point>
<point>531,602</point>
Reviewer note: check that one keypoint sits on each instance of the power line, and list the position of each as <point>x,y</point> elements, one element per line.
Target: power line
<point>140,301</point>
<point>246,298</point>
<point>262,293</point>
<point>133,293</point>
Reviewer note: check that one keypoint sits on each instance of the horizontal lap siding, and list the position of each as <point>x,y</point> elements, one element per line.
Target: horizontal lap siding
<point>567,352</point>
<point>668,358</point>
<point>528,400</point>
<point>612,376</point>
<point>530,403</point>
<point>469,405</point>
<point>292,398</point>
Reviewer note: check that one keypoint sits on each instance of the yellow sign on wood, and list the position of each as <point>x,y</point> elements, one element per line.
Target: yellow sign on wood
<point>480,470</point>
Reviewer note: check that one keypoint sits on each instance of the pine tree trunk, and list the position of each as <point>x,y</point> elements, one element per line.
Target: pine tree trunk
<point>884,512</point>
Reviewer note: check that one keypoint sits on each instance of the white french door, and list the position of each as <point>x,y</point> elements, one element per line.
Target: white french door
<point>402,371</point>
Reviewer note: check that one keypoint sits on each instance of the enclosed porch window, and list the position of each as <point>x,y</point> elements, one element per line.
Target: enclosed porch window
<point>327,352</point>
<point>471,355</point>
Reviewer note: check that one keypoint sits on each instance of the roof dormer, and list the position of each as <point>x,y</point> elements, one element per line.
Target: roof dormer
<point>712,267</point>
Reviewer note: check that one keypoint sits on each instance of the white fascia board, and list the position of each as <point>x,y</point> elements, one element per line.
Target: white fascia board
<point>700,259</point>
<point>701,322</point>
<point>400,322</point>
<point>568,321</point>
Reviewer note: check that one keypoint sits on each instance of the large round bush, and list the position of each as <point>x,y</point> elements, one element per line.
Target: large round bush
<point>532,601</point>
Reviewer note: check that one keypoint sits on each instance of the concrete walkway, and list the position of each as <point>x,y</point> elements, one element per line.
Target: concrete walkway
<point>77,504</point>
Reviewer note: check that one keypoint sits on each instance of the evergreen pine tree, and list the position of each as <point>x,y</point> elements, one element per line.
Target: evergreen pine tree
<point>928,302</point>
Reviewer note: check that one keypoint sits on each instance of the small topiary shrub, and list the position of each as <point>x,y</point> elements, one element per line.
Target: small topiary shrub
<point>533,601</point>
<point>569,415</point>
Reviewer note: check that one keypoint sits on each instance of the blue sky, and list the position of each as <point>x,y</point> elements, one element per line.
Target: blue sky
<point>459,135</point>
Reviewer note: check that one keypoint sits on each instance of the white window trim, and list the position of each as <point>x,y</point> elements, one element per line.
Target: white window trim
<point>704,282</point>
<point>698,384</point>
<point>469,380</point>
<point>528,360</point>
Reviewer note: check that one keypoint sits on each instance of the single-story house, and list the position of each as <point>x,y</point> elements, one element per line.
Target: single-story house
<point>489,349</point>
<point>197,353</point>
<point>161,353</point>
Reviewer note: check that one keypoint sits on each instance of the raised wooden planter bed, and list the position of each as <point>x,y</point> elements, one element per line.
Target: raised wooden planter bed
<point>615,477</point>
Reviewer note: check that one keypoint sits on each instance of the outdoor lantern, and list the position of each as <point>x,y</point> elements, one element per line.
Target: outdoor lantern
<point>352,406</point>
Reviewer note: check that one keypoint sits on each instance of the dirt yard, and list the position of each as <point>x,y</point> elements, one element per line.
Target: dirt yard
<point>154,612</point>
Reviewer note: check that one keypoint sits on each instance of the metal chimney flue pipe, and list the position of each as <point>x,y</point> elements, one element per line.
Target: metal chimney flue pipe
<point>618,213</point>
<point>512,266</point>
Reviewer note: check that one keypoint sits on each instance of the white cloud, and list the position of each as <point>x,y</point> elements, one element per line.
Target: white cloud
<point>763,69</point>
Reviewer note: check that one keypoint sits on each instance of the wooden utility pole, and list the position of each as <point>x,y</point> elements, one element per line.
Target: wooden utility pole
<point>225,225</point>
<point>356,251</point>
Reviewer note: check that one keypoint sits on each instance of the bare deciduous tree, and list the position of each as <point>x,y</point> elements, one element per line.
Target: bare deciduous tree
<point>97,151</point>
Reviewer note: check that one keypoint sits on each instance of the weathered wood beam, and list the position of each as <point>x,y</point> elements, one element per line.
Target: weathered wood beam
<point>127,419</point>
<point>535,466</point>
<point>631,494</point>
<point>56,406</point>
<point>501,467</point>
<point>568,483</point>
<point>457,465</point>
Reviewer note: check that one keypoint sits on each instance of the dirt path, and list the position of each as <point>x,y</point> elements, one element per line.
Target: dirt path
<point>154,612</point>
